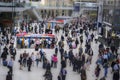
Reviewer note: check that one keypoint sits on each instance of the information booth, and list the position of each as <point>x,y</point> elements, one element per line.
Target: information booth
<point>27,40</point>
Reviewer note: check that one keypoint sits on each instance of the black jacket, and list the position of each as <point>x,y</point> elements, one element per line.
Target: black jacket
<point>9,77</point>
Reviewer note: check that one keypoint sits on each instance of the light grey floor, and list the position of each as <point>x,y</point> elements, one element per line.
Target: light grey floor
<point>37,72</point>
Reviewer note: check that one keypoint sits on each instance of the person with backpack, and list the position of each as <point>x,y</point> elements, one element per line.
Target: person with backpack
<point>63,73</point>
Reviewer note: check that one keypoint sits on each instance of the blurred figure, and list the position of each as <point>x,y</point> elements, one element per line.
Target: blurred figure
<point>83,74</point>
<point>10,65</point>
<point>48,75</point>
<point>63,73</point>
<point>29,63</point>
<point>97,71</point>
<point>9,76</point>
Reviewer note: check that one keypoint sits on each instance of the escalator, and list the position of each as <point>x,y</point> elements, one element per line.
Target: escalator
<point>34,14</point>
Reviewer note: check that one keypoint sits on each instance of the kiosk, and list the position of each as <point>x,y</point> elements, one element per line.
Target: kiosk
<point>21,37</point>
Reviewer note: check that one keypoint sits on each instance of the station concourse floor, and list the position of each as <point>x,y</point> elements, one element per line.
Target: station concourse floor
<point>38,72</point>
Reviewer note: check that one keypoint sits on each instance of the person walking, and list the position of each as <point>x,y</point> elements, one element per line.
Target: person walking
<point>55,60</point>
<point>56,50</point>
<point>37,59</point>
<point>21,61</point>
<point>25,58</point>
<point>76,42</point>
<point>105,66</point>
<point>10,65</point>
<point>9,76</point>
<point>48,75</point>
<point>59,77</point>
<point>116,68</point>
<point>33,57</point>
<point>83,74</point>
<point>29,63</point>
<point>97,71</point>
<point>14,53</point>
<point>48,66</point>
<point>63,73</point>
<point>63,63</point>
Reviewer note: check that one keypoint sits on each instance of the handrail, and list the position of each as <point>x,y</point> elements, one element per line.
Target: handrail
<point>10,4</point>
<point>6,4</point>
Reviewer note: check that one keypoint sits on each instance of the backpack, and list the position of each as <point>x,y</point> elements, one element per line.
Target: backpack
<point>5,63</point>
<point>63,72</point>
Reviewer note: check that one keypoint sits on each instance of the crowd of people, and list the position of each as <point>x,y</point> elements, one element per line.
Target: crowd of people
<point>73,35</point>
<point>8,52</point>
<point>35,28</point>
<point>36,43</point>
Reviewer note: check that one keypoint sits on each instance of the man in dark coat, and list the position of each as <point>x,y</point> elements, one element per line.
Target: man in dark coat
<point>63,63</point>
<point>29,63</point>
<point>112,48</point>
<point>70,53</point>
<point>56,50</point>
<point>9,76</point>
<point>76,42</point>
<point>61,52</point>
<point>48,66</point>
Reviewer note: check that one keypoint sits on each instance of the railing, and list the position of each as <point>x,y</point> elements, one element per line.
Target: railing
<point>16,4</point>
<point>110,6</point>
<point>6,4</point>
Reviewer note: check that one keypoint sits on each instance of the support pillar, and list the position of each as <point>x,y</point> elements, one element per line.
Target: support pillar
<point>99,20</point>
